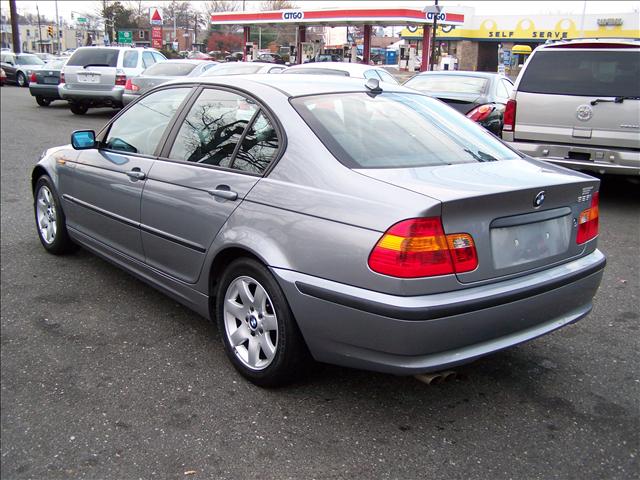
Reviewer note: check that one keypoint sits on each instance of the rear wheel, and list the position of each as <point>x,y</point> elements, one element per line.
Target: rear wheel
<point>261,337</point>
<point>21,80</point>
<point>50,219</point>
<point>79,108</point>
<point>43,102</point>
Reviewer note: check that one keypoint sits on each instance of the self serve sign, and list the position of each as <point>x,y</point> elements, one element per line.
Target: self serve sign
<point>292,15</point>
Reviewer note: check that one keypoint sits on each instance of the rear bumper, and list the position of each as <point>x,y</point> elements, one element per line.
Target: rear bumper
<point>359,328</point>
<point>46,91</point>
<point>602,160</point>
<point>110,97</point>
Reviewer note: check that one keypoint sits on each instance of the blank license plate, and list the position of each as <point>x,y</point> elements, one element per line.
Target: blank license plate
<point>88,78</point>
<point>527,243</point>
<point>51,80</point>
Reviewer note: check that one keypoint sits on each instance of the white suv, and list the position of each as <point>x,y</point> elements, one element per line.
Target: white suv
<point>577,103</point>
<point>96,76</point>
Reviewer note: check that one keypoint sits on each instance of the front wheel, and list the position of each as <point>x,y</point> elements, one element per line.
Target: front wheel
<point>21,80</point>
<point>50,219</point>
<point>43,102</point>
<point>261,337</point>
<point>79,108</point>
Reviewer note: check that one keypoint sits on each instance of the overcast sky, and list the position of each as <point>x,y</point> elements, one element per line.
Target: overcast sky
<point>65,7</point>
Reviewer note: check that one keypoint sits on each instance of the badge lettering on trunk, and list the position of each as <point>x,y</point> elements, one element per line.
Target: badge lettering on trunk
<point>584,113</point>
<point>539,200</point>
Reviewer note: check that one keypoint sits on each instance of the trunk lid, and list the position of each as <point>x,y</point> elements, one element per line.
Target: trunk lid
<point>462,102</point>
<point>494,202</point>
<point>145,82</point>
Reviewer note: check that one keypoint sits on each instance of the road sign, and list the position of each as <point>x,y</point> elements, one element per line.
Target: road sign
<point>155,16</point>
<point>125,37</point>
<point>81,20</point>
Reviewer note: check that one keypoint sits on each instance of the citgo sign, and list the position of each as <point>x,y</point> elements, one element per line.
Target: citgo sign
<point>292,15</point>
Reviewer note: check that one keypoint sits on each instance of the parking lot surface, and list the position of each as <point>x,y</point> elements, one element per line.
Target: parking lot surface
<point>104,377</point>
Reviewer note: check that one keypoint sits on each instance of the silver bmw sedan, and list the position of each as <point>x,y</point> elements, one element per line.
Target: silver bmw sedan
<point>344,220</point>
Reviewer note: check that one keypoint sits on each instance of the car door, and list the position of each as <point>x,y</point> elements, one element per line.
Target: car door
<point>213,158</point>
<point>109,180</point>
<point>9,66</point>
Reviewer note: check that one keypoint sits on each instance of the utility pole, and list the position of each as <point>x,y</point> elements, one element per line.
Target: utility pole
<point>39,32</point>
<point>57,27</point>
<point>432,59</point>
<point>15,32</point>
<point>195,31</point>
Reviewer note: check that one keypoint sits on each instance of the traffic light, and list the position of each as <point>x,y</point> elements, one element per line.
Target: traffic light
<point>50,30</point>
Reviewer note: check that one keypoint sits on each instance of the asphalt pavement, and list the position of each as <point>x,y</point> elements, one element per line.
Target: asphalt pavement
<point>105,378</point>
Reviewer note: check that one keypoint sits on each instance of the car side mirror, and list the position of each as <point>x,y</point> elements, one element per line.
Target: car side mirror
<point>83,139</point>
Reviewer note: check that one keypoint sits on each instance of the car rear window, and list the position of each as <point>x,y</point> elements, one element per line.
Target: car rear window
<point>597,73</point>
<point>170,69</point>
<point>234,69</point>
<point>28,60</point>
<point>106,57</point>
<point>397,130</point>
<point>448,83</point>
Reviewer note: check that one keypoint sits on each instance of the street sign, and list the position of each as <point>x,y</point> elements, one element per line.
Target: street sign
<point>125,37</point>
<point>155,16</point>
<point>81,20</point>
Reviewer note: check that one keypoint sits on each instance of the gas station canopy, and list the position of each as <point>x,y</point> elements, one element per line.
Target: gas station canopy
<point>369,16</point>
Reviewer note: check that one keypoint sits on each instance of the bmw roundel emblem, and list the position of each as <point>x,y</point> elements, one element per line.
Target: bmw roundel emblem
<point>539,200</point>
<point>584,113</point>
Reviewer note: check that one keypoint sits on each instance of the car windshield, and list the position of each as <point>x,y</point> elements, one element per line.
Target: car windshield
<point>107,57</point>
<point>170,69</point>
<point>28,60</point>
<point>234,69</point>
<point>397,130</point>
<point>448,83</point>
<point>317,71</point>
<point>602,73</point>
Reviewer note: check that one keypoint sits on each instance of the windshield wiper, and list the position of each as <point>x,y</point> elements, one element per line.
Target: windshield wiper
<point>481,156</point>
<point>619,99</point>
<point>95,65</point>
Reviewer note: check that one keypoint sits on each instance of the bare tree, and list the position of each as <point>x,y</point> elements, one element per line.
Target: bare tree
<point>277,5</point>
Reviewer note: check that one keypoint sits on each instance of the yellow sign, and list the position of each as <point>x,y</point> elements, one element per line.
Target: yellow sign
<point>526,29</point>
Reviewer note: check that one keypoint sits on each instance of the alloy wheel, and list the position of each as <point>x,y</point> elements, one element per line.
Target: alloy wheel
<point>46,214</point>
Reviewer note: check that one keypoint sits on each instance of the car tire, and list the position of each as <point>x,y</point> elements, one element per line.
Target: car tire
<point>265,344</point>
<point>43,102</point>
<point>79,108</point>
<point>50,219</point>
<point>21,80</point>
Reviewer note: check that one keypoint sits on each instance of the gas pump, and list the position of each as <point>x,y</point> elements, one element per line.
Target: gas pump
<point>411,64</point>
<point>403,61</point>
<point>251,52</point>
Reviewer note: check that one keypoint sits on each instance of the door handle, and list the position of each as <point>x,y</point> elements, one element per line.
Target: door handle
<point>223,191</point>
<point>136,174</point>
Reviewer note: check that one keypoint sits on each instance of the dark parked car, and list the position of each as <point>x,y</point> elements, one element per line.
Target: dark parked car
<point>18,67</point>
<point>326,57</point>
<point>43,83</point>
<point>270,58</point>
<point>234,57</point>
<point>480,96</point>
<point>3,77</point>
<point>364,224</point>
<point>162,72</point>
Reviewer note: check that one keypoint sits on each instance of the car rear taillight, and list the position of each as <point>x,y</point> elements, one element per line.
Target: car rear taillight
<point>129,85</point>
<point>510,116</point>
<point>588,221</point>
<point>121,77</point>
<point>61,80</point>
<point>480,113</point>
<point>418,247</point>
<point>33,78</point>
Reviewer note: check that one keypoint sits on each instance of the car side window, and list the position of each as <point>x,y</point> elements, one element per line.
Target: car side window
<point>507,86</point>
<point>276,69</point>
<point>130,59</point>
<point>213,128</point>
<point>147,59</point>
<point>371,74</point>
<point>140,128</point>
<point>258,148</point>
<point>158,57</point>
<point>387,77</point>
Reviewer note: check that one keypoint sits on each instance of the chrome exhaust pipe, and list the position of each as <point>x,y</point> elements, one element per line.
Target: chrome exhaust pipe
<point>436,378</point>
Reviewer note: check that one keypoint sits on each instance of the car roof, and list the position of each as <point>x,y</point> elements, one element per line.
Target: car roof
<point>295,85</point>
<point>115,48</point>
<point>351,68</point>
<point>623,42</point>
<point>188,60</point>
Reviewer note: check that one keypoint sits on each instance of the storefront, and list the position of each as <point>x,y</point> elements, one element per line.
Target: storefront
<point>484,43</point>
